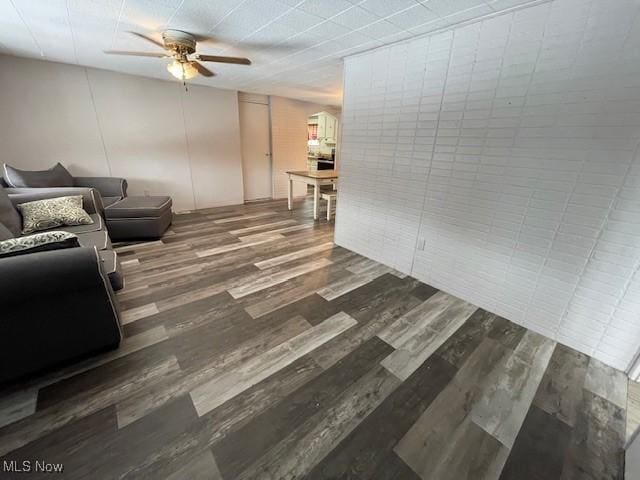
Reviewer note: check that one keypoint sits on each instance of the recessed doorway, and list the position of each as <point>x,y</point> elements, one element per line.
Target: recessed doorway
<point>322,134</point>
<point>256,150</point>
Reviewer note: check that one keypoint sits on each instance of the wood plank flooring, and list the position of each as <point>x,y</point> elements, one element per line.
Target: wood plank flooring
<point>257,349</point>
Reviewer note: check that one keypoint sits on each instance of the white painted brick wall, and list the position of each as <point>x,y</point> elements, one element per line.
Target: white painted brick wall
<point>511,146</point>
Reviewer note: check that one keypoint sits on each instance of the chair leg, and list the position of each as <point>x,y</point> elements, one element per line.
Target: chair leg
<point>328,209</point>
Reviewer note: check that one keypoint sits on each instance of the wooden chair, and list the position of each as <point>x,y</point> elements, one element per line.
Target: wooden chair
<point>330,197</point>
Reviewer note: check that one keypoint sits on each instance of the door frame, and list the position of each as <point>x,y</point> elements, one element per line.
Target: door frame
<point>269,131</point>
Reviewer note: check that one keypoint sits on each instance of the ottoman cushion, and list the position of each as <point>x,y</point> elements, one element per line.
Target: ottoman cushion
<point>138,218</point>
<point>138,207</point>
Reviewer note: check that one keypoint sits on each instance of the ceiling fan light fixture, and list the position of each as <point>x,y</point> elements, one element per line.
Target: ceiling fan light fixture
<point>182,70</point>
<point>181,48</point>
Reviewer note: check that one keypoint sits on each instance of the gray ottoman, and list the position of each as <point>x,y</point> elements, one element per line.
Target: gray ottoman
<point>138,218</point>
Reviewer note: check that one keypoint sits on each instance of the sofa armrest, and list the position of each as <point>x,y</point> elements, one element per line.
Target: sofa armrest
<point>24,277</point>
<point>91,198</point>
<point>56,306</point>
<point>107,186</point>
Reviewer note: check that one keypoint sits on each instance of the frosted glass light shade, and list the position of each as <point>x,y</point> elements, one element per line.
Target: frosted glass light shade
<point>182,70</point>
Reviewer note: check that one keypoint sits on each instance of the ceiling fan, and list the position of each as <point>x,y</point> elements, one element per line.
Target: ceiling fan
<point>181,46</point>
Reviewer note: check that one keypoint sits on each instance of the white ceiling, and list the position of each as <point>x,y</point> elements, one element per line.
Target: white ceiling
<point>296,46</point>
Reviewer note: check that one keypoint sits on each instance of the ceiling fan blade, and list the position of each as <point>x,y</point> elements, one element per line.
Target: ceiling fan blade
<point>202,70</point>
<point>220,59</point>
<point>148,39</point>
<point>137,54</point>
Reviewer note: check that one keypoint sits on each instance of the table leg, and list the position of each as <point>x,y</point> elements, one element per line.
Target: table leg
<point>290,195</point>
<point>316,200</point>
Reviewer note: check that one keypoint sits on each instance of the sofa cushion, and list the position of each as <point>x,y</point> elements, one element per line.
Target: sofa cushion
<point>38,242</point>
<point>99,239</point>
<point>106,201</point>
<point>53,212</point>
<point>9,216</point>
<point>56,176</point>
<point>5,233</point>
<point>139,207</point>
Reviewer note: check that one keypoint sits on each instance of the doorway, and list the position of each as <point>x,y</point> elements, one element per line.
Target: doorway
<point>256,150</point>
<point>322,134</point>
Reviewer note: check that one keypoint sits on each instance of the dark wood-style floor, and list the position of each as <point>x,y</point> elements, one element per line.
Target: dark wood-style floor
<point>256,349</point>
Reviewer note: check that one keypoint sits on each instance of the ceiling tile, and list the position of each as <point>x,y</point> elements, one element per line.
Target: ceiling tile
<point>300,20</point>
<point>503,4</point>
<point>327,30</point>
<point>429,27</point>
<point>146,14</point>
<point>413,17</point>
<point>385,8</point>
<point>255,14</point>
<point>380,29</point>
<point>277,33</point>
<point>469,14</point>
<point>354,18</point>
<point>200,16</point>
<point>448,7</point>
<point>323,8</point>
<point>350,40</point>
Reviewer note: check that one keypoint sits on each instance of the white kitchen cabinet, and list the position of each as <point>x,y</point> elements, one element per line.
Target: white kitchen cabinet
<point>327,126</point>
<point>330,128</point>
<point>322,126</point>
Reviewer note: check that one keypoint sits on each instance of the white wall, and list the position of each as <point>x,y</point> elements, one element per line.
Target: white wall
<point>510,146</point>
<point>632,459</point>
<point>289,140</point>
<point>162,139</point>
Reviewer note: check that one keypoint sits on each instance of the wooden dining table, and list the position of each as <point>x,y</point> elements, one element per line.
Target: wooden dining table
<point>315,178</point>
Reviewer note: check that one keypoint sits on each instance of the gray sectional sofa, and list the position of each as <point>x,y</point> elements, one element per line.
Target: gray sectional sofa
<point>57,305</point>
